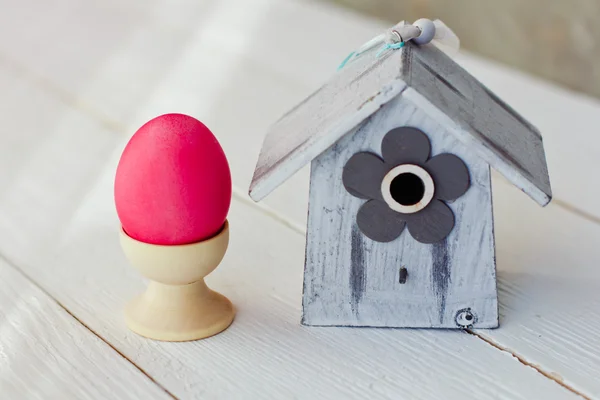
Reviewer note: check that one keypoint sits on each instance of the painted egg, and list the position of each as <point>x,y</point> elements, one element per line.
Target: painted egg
<point>173,184</point>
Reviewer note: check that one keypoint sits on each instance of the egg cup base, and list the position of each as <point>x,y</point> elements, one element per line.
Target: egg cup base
<point>197,316</point>
<point>177,305</point>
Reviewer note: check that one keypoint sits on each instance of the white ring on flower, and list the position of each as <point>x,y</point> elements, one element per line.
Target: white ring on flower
<point>428,185</point>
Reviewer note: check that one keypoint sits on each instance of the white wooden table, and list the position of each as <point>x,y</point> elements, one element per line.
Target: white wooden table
<point>77,79</point>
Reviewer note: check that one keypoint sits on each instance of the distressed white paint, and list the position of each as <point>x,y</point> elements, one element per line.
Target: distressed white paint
<point>545,320</point>
<point>487,125</point>
<point>72,250</point>
<point>490,127</point>
<point>352,280</point>
<point>353,94</point>
<point>266,353</point>
<point>46,354</point>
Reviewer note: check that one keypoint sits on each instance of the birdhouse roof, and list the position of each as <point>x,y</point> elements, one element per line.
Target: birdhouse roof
<point>448,93</point>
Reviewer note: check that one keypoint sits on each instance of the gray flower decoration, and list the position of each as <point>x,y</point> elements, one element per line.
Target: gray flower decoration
<point>406,187</point>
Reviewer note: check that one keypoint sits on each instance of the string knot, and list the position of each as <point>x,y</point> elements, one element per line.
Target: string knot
<point>389,46</point>
<point>421,32</point>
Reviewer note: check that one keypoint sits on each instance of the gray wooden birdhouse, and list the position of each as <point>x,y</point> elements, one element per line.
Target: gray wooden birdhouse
<point>400,226</point>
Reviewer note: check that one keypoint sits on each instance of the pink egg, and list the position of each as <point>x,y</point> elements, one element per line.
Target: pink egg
<point>173,184</point>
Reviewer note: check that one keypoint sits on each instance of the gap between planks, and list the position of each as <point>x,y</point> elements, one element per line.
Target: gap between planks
<point>522,360</point>
<point>241,196</point>
<point>24,275</point>
<point>62,96</point>
<point>574,210</point>
<point>269,212</point>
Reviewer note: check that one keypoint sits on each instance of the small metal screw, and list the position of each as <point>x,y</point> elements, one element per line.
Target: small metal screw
<point>465,318</point>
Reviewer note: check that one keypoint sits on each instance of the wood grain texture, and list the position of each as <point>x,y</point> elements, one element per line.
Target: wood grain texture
<point>72,250</point>
<point>556,320</point>
<point>351,280</point>
<point>46,354</point>
<point>493,129</point>
<point>548,277</point>
<point>547,106</point>
<point>353,94</point>
<point>548,283</point>
<point>266,349</point>
<point>233,51</point>
<point>286,69</point>
<point>530,239</point>
<point>212,78</point>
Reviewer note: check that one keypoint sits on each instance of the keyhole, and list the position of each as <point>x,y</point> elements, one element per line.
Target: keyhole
<point>403,275</point>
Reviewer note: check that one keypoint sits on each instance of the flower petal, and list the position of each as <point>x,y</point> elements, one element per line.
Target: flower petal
<point>450,175</point>
<point>378,222</point>
<point>363,174</point>
<point>431,224</point>
<point>405,145</point>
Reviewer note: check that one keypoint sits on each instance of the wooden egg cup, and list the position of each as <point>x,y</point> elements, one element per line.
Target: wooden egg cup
<point>177,305</point>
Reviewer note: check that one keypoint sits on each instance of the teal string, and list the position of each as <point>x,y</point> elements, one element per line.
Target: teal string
<point>383,49</point>
<point>389,46</point>
<point>343,64</point>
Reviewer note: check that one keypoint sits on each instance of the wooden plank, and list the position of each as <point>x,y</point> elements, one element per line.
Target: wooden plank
<point>565,119</point>
<point>548,285</point>
<point>63,232</point>
<point>287,67</point>
<point>283,69</point>
<point>521,227</point>
<point>266,352</point>
<point>538,328</point>
<point>112,70</point>
<point>548,278</point>
<point>346,31</point>
<point>45,353</point>
<point>320,120</point>
<point>468,274</point>
<point>490,127</point>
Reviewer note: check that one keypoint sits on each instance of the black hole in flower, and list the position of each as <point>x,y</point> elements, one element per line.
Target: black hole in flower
<point>469,317</point>
<point>407,189</point>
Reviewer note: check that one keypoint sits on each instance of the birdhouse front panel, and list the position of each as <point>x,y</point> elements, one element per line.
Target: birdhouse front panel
<point>400,228</point>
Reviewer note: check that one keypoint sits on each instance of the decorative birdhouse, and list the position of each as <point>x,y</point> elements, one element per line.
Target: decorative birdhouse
<point>400,226</point>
